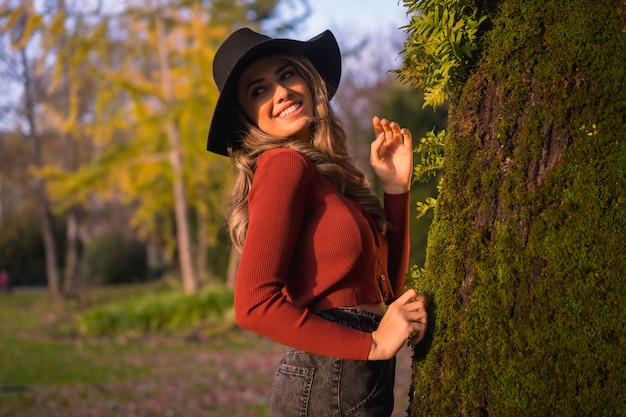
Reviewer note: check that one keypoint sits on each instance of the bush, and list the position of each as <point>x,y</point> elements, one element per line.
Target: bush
<point>22,252</point>
<point>115,259</point>
<point>156,312</point>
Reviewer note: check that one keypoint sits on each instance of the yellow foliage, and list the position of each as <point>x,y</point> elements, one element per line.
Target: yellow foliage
<point>105,96</point>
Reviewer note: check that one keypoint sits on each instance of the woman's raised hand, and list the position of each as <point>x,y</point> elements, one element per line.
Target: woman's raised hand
<point>406,317</point>
<point>391,156</point>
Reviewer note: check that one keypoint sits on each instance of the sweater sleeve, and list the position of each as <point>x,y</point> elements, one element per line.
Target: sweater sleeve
<point>277,202</point>
<point>397,211</point>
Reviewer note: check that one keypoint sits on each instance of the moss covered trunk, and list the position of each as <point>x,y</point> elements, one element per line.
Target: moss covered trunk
<point>526,263</point>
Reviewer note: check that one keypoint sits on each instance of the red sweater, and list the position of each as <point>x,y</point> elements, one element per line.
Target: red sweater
<point>308,248</point>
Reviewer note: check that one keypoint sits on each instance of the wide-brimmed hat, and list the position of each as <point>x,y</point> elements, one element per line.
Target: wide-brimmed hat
<point>240,50</point>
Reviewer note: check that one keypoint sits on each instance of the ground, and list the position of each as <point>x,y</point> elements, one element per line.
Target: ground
<point>202,380</point>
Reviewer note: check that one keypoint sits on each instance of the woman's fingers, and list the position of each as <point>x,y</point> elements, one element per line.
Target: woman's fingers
<point>418,336</point>
<point>411,296</point>
<point>405,319</point>
<point>407,138</point>
<point>378,127</point>
<point>390,129</point>
<point>413,309</point>
<point>407,296</point>
<point>410,308</point>
<point>393,134</point>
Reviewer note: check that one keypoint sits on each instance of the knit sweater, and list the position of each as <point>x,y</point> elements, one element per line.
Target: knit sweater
<point>309,248</point>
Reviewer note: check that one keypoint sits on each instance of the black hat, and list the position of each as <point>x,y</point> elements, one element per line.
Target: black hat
<point>240,50</point>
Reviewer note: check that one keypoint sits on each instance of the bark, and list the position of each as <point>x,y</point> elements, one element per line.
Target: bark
<point>203,243</point>
<point>1,202</point>
<point>50,246</point>
<point>524,270</point>
<point>233,264</point>
<point>183,234</point>
<point>45,215</point>
<point>70,281</point>
<point>70,162</point>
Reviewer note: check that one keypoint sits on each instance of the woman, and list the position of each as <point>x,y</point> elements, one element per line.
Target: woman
<point>320,256</point>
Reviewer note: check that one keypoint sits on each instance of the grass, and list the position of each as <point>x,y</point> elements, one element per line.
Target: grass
<point>35,363</point>
<point>48,368</point>
<point>37,347</point>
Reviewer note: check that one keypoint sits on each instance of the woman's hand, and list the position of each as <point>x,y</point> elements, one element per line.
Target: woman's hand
<point>391,156</point>
<point>406,317</point>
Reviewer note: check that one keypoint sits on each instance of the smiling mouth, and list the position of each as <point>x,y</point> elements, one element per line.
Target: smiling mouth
<point>290,110</point>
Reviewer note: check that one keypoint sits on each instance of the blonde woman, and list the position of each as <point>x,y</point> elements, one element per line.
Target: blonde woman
<point>322,260</point>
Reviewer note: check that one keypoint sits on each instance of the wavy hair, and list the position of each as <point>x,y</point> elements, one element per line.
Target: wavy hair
<point>327,150</point>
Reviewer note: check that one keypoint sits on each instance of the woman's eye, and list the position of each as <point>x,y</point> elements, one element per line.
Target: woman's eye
<point>257,91</point>
<point>287,74</point>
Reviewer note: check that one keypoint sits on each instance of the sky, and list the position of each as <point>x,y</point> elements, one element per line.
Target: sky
<point>360,15</point>
<point>346,17</point>
<point>351,21</point>
<point>377,22</point>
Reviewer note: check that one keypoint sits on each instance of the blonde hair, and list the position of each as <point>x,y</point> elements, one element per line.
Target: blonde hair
<point>327,150</point>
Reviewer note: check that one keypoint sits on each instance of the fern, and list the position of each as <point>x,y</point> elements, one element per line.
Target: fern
<point>437,56</point>
<point>424,207</point>
<point>441,42</point>
<point>430,151</point>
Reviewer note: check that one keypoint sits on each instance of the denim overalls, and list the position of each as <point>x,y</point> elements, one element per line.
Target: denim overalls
<point>310,385</point>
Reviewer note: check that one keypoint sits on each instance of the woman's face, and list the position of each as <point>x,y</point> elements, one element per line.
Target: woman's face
<point>276,98</point>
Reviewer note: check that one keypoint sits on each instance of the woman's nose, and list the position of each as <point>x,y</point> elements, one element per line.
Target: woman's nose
<point>281,93</point>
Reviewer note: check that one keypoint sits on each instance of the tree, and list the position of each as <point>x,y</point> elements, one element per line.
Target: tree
<point>166,94</point>
<point>70,91</point>
<point>135,113</point>
<point>54,47</point>
<point>152,113</point>
<point>20,26</point>
<point>525,262</point>
<point>22,251</point>
<point>190,282</point>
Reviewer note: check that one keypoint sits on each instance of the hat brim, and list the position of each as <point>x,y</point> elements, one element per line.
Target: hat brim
<point>323,52</point>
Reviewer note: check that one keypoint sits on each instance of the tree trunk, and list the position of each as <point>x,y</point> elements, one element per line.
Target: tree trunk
<point>203,243</point>
<point>50,246</point>
<point>233,264</point>
<point>1,202</point>
<point>70,281</point>
<point>526,261</point>
<point>45,215</point>
<point>190,282</point>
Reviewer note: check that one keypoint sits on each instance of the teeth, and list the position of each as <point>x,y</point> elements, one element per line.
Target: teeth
<point>290,110</point>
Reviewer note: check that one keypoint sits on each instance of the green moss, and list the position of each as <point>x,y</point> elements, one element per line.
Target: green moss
<point>526,262</point>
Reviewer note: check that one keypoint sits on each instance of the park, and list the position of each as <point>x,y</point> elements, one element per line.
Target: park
<point>118,272</point>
